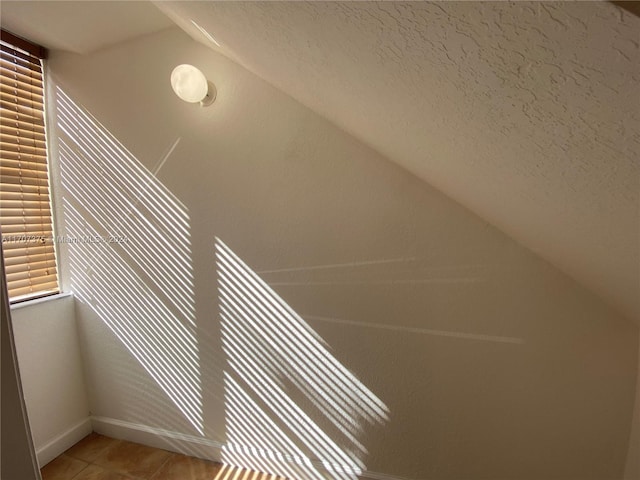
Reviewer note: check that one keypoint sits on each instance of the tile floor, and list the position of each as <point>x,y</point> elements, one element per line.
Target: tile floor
<point>97,457</point>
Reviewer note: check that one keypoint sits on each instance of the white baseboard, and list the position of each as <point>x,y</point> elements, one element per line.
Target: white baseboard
<point>159,438</point>
<point>62,442</point>
<point>190,444</point>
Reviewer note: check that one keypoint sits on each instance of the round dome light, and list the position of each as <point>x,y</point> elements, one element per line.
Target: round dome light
<point>190,84</point>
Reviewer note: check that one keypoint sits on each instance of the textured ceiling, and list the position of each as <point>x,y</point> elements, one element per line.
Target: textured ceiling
<point>526,113</point>
<point>80,26</point>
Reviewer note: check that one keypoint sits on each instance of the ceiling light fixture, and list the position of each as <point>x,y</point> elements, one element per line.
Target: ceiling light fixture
<point>192,86</point>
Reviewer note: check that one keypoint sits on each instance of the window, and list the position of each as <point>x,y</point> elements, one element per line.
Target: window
<point>25,208</point>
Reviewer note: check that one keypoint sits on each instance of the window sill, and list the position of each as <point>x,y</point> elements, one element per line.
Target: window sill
<point>35,301</point>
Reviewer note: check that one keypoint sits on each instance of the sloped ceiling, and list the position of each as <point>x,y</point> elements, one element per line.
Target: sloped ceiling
<point>526,113</point>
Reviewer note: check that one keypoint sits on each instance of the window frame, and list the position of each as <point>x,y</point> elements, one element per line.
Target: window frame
<point>24,55</point>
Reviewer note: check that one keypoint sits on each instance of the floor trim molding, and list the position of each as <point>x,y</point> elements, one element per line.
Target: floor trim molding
<point>62,442</point>
<point>188,444</point>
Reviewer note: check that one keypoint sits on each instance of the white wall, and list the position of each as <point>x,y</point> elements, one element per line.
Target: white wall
<point>17,454</point>
<point>287,290</point>
<point>52,378</point>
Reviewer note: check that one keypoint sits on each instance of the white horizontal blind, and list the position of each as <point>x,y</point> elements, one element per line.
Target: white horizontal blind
<point>25,209</point>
